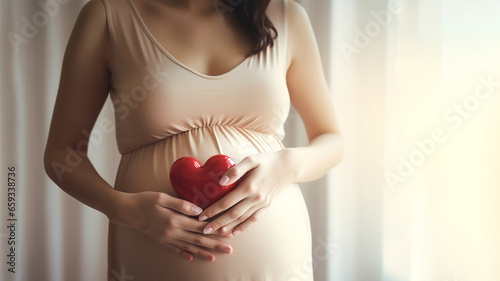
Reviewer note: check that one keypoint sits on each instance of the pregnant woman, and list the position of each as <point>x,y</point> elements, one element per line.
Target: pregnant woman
<point>197,78</point>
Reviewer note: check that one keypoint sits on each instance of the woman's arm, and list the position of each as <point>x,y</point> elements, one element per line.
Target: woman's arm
<point>267,172</point>
<point>311,98</point>
<point>83,89</point>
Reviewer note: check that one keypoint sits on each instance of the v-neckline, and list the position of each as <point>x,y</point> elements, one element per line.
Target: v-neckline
<point>151,37</point>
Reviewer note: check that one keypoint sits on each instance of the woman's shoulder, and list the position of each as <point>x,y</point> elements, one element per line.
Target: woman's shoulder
<point>90,34</point>
<point>94,9</point>
<point>300,30</point>
<point>293,12</point>
<point>291,6</point>
<point>92,20</point>
<point>296,12</point>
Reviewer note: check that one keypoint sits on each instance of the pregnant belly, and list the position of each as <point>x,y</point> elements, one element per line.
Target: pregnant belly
<point>279,241</point>
<point>148,168</point>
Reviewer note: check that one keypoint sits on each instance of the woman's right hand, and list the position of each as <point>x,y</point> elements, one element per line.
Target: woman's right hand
<point>167,220</point>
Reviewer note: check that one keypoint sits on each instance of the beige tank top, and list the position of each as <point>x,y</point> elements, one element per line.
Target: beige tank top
<point>155,96</point>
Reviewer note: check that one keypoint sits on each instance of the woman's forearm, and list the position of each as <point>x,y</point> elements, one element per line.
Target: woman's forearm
<point>75,174</point>
<point>313,161</point>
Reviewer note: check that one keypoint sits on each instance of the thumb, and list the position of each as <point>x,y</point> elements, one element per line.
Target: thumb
<point>239,170</point>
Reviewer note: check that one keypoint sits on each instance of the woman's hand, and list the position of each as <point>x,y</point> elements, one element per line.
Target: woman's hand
<point>260,178</point>
<point>166,220</point>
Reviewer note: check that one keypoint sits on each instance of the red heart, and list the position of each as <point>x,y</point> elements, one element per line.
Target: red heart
<point>200,184</point>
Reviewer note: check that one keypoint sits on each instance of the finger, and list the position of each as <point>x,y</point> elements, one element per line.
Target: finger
<point>197,241</point>
<point>250,221</point>
<point>179,205</point>
<point>187,223</point>
<point>174,220</point>
<point>227,234</point>
<point>238,170</point>
<point>232,215</point>
<point>227,230</point>
<point>226,202</point>
<point>199,252</point>
<point>185,254</point>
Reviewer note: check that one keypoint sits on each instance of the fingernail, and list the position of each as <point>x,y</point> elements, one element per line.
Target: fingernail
<point>202,218</point>
<point>236,232</point>
<point>224,180</point>
<point>197,210</point>
<point>227,250</point>
<point>208,230</point>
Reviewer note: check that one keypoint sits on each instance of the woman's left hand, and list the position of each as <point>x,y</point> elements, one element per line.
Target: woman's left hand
<point>261,177</point>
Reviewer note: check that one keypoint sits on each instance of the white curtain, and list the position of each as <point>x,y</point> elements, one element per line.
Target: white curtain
<point>56,237</point>
<point>416,84</point>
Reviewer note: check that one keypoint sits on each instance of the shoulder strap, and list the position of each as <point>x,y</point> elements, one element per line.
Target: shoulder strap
<point>130,46</point>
